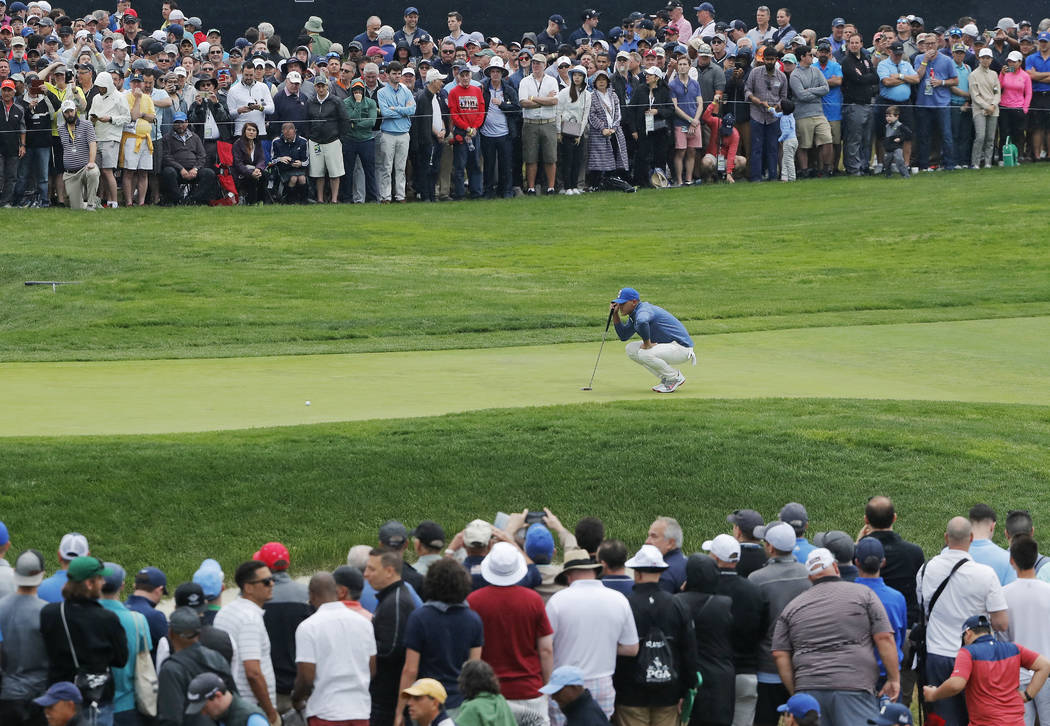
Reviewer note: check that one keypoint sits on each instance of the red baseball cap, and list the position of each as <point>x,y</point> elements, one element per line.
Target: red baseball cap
<point>8,84</point>
<point>132,12</point>
<point>275,555</point>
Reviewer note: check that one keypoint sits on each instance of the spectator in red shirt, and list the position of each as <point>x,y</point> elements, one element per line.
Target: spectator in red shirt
<point>989,671</point>
<point>519,641</point>
<point>466,104</point>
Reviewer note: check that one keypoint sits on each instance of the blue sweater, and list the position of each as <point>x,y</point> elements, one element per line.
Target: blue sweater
<point>396,108</point>
<point>654,323</point>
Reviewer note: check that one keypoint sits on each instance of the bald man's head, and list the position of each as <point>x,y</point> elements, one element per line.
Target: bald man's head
<point>322,589</point>
<point>959,533</point>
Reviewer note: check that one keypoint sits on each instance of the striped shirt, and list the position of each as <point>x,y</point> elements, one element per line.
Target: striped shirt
<point>243,620</point>
<point>76,149</point>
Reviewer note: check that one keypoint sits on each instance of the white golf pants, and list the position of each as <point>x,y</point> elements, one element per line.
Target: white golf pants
<point>659,359</point>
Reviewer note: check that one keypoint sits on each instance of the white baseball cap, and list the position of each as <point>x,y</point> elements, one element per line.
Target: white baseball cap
<point>985,53</point>
<point>725,547</point>
<point>73,545</point>
<point>819,559</point>
<point>295,77</point>
<point>176,15</point>
<point>1015,55</point>
<point>647,557</point>
<point>780,535</point>
<point>435,75</point>
<point>477,533</point>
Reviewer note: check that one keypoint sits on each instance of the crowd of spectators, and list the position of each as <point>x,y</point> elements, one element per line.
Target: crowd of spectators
<point>183,114</point>
<point>522,622</point>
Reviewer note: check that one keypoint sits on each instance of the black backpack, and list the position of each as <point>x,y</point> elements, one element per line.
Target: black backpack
<point>655,664</point>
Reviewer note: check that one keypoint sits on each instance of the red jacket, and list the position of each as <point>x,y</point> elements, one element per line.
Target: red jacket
<point>467,107</point>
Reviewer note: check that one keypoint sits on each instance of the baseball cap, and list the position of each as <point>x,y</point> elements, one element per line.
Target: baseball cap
<point>556,19</point>
<point>201,689</point>
<point>794,514</point>
<point>705,6</point>
<point>73,545</point>
<point>393,534</point>
<point>114,581</point>
<point>185,621</point>
<point>799,705</point>
<point>294,77</point>
<point>959,48</point>
<point>275,555</point>
<point>975,621</point>
<point>477,533</point>
<point>29,569</point>
<point>8,83</point>
<point>1006,24</point>
<point>747,520</point>
<point>427,687</point>
<point>190,595</point>
<point>892,713</point>
<point>985,53</point>
<point>780,535</point>
<point>151,577</point>
<point>896,47</point>
<point>724,547</point>
<point>819,559</point>
<point>838,23</point>
<point>704,49</point>
<point>647,558</point>
<point>562,676</point>
<point>869,554</point>
<point>1043,35</point>
<point>432,75</point>
<point>411,9</point>
<point>539,58</point>
<point>653,70</point>
<point>539,542</point>
<point>67,105</point>
<point>838,543</point>
<point>61,691</point>
<point>504,565</point>
<point>1015,55</point>
<point>626,294</point>
<point>82,568</point>
<point>789,58</point>
<point>209,576</point>
<point>349,577</point>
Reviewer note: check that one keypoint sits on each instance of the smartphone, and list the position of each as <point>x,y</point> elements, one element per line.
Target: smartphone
<point>534,516</point>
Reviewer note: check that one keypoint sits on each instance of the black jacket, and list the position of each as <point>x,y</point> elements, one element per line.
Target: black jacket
<point>175,675</point>
<point>282,618</point>
<point>38,119</point>
<point>634,115</point>
<point>750,618</point>
<point>713,622</point>
<point>421,133</point>
<point>652,607</point>
<point>509,106</point>
<point>860,79</point>
<point>328,120</point>
<point>394,606</point>
<point>621,84</point>
<point>903,560</point>
<point>12,125</point>
<point>97,635</point>
<point>584,711</point>
<point>198,113</point>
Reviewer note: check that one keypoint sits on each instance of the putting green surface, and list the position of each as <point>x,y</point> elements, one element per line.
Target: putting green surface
<point>976,361</point>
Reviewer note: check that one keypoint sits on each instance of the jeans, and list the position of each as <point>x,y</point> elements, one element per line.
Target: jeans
<point>464,159</point>
<point>35,162</point>
<point>927,118</point>
<point>426,167</point>
<point>365,153</point>
<point>763,160</point>
<point>8,177</point>
<point>497,153</point>
<point>962,134</point>
<point>983,139</point>
<point>858,123</point>
<point>393,158</point>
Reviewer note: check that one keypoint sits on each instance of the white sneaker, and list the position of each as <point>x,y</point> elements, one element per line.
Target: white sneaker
<point>674,384</point>
<point>661,387</point>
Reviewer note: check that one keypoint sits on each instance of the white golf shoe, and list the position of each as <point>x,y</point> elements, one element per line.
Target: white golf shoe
<point>670,385</point>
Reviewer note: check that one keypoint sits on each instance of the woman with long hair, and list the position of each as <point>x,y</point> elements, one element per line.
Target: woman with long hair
<point>574,106</point>
<point>483,704</point>
<point>608,148</point>
<point>1016,87</point>
<point>249,164</point>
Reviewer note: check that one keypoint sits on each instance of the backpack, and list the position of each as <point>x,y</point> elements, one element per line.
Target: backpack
<point>655,664</point>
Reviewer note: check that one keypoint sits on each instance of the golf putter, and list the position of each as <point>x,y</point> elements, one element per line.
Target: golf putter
<point>607,324</point>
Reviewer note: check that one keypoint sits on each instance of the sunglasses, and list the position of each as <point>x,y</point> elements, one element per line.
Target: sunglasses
<point>447,52</point>
<point>266,581</point>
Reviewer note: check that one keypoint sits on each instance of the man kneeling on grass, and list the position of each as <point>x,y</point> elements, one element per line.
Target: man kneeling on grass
<point>664,340</point>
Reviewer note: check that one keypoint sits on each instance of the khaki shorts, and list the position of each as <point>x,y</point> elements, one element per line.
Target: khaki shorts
<point>836,132</point>
<point>326,158</point>
<point>108,153</point>
<point>812,131</point>
<point>539,143</point>
<point>141,160</point>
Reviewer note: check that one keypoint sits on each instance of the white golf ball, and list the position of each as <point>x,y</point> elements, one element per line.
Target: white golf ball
<point>307,403</point>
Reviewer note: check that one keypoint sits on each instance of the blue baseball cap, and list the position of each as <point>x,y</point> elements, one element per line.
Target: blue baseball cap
<point>556,19</point>
<point>869,554</point>
<point>209,576</point>
<point>1043,35</point>
<point>411,9</point>
<point>626,294</point>
<point>892,713</point>
<point>561,677</point>
<point>61,691</point>
<point>975,621</point>
<point>838,23</point>
<point>151,577</point>
<point>178,116</point>
<point>799,705</point>
<point>115,579</point>
<point>539,544</point>
<point>705,6</point>
<point>5,537</point>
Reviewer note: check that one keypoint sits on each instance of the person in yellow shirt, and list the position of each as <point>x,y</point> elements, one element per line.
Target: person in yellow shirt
<point>136,148</point>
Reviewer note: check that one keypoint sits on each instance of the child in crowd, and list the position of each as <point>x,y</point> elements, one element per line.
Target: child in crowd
<point>788,140</point>
<point>896,134</point>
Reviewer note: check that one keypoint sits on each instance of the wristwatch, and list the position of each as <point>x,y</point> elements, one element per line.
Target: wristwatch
<point>1027,698</point>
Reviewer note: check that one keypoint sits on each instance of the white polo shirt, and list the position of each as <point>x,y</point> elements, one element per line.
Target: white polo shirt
<point>973,590</point>
<point>339,643</point>
<point>243,620</point>
<point>1029,602</point>
<point>589,621</point>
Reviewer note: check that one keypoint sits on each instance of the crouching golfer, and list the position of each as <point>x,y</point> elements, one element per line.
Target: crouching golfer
<point>664,340</point>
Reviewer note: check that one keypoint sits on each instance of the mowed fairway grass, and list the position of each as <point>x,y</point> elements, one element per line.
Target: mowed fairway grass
<point>276,281</point>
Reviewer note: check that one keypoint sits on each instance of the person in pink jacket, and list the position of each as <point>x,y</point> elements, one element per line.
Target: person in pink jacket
<point>1017,97</point>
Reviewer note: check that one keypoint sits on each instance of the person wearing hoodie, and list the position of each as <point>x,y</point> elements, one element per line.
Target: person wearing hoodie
<point>188,659</point>
<point>713,622</point>
<point>359,143</point>
<point>109,112</point>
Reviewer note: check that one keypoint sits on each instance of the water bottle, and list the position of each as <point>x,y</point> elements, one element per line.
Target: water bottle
<point>929,84</point>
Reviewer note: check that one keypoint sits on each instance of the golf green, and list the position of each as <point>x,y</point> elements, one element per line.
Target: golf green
<point>1000,360</point>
